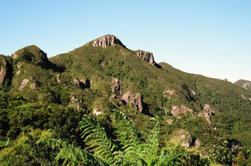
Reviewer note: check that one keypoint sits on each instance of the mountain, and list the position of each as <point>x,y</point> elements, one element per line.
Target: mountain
<point>40,93</point>
<point>244,84</point>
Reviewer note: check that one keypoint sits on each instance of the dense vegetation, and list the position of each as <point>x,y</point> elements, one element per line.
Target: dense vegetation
<point>62,111</point>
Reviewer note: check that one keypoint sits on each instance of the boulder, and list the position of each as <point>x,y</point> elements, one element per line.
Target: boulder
<point>197,143</point>
<point>134,100</point>
<point>179,110</point>
<point>23,84</point>
<point>84,83</point>
<point>168,93</point>
<point>33,86</point>
<point>183,137</point>
<point>107,40</point>
<point>3,69</point>
<point>116,87</point>
<point>146,56</point>
<point>208,112</point>
<point>169,121</point>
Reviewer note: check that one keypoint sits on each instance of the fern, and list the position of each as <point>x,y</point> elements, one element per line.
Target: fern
<point>4,144</point>
<point>70,154</point>
<point>97,140</point>
<point>127,138</point>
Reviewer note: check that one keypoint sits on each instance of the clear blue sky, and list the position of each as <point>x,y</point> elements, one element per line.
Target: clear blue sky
<point>208,37</point>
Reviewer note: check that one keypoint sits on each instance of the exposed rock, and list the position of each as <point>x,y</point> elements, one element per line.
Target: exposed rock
<point>197,143</point>
<point>208,112</point>
<point>183,137</point>
<point>23,84</point>
<point>249,99</point>
<point>75,102</point>
<point>107,40</point>
<point>169,93</point>
<point>58,78</point>
<point>179,110</point>
<point>246,85</point>
<point>3,70</point>
<point>33,86</point>
<point>134,100</point>
<point>146,56</point>
<point>85,83</point>
<point>97,112</point>
<point>2,75</point>
<point>243,97</point>
<point>116,88</point>
<point>18,72</point>
<point>169,121</point>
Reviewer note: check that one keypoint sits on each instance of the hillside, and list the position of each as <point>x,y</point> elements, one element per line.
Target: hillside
<point>103,80</point>
<point>244,84</point>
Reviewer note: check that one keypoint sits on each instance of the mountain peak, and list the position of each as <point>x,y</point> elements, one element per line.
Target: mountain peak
<point>107,40</point>
<point>31,53</point>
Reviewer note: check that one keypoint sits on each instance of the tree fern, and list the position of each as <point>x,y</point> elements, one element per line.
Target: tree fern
<point>70,154</point>
<point>97,140</point>
<point>127,138</point>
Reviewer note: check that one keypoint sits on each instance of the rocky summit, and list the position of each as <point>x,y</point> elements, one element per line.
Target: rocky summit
<point>104,104</point>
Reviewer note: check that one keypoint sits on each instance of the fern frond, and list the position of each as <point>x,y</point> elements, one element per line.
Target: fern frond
<point>70,154</point>
<point>97,140</point>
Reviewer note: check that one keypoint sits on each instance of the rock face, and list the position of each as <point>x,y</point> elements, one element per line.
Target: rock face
<point>208,112</point>
<point>84,83</point>
<point>2,74</point>
<point>146,56</point>
<point>179,110</point>
<point>183,137</point>
<point>107,40</point>
<point>116,87</point>
<point>168,93</point>
<point>23,84</point>
<point>134,100</point>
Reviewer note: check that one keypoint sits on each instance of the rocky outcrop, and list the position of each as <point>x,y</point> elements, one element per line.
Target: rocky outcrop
<point>134,100</point>
<point>169,121</point>
<point>177,111</point>
<point>33,86</point>
<point>116,87</point>
<point>23,84</point>
<point>146,56</point>
<point>197,143</point>
<point>168,93</point>
<point>107,40</point>
<point>3,69</point>
<point>97,111</point>
<point>183,137</point>
<point>208,112</point>
<point>2,74</point>
<point>84,83</point>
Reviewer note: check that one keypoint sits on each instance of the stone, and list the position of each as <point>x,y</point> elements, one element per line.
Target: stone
<point>146,56</point>
<point>169,93</point>
<point>169,121</point>
<point>197,143</point>
<point>97,112</point>
<point>116,87</point>
<point>58,78</point>
<point>183,137</point>
<point>107,40</point>
<point>23,84</point>
<point>208,112</point>
<point>84,83</point>
<point>33,86</point>
<point>176,111</point>
<point>2,71</point>
<point>134,100</point>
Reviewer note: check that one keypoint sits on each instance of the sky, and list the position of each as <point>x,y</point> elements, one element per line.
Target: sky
<point>208,37</point>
